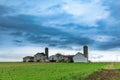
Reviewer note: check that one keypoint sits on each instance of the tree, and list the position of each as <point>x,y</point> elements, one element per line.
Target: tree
<point>58,55</point>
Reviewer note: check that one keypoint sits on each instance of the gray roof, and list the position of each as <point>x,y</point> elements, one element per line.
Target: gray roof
<point>28,57</point>
<point>40,54</point>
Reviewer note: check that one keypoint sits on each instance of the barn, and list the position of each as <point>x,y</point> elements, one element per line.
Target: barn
<point>81,57</point>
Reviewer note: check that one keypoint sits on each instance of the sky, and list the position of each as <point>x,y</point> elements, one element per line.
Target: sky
<point>28,26</point>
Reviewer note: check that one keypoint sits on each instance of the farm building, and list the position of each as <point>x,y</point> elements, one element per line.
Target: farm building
<point>61,58</point>
<point>44,57</point>
<point>39,57</point>
<point>68,58</point>
<point>56,58</point>
<point>28,59</point>
<point>79,57</point>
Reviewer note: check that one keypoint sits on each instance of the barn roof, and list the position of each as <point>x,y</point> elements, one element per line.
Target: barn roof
<point>80,54</point>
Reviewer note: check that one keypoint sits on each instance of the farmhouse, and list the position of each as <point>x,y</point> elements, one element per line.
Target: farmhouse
<point>79,57</point>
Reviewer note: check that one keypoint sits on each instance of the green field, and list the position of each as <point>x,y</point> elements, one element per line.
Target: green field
<point>47,71</point>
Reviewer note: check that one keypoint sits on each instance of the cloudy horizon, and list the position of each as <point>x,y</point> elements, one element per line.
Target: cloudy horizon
<point>28,26</point>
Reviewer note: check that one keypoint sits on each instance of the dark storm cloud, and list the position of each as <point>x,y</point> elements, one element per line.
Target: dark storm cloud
<point>60,38</point>
<point>114,8</point>
<point>20,22</point>
<point>24,26</point>
<point>17,41</point>
<point>109,45</point>
<point>110,27</point>
<point>5,10</point>
<point>16,33</point>
<point>31,28</point>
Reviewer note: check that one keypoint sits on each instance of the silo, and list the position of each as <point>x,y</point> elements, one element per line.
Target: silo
<point>46,52</point>
<point>85,51</point>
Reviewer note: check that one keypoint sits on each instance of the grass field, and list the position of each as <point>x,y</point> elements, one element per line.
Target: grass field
<point>47,71</point>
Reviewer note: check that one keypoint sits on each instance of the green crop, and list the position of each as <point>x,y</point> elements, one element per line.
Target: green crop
<point>47,71</point>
